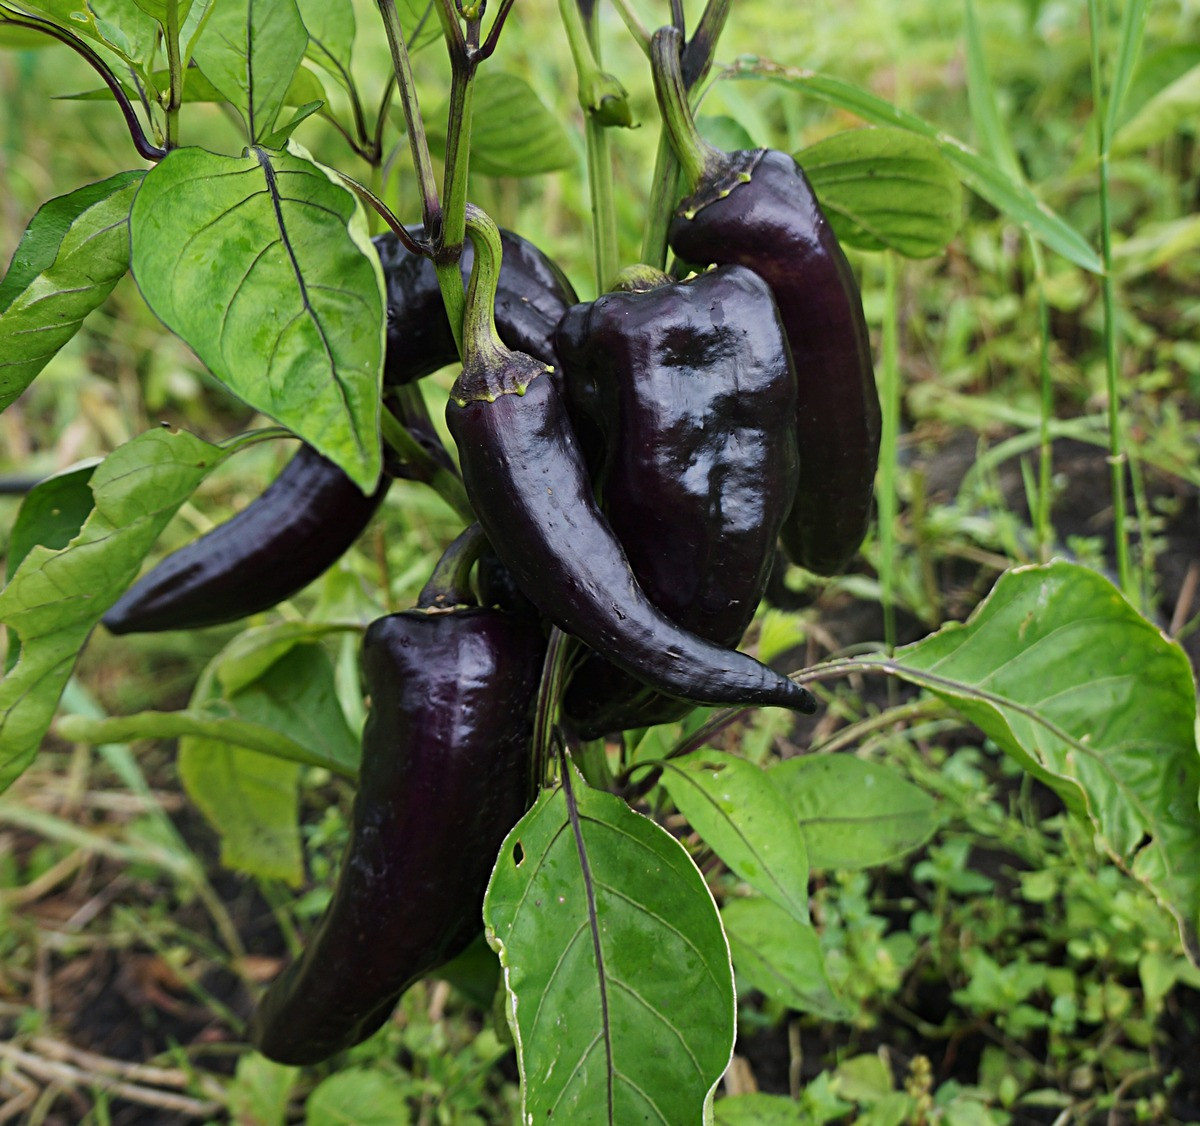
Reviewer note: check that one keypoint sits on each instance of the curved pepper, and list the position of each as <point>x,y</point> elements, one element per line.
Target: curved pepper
<point>757,209</point>
<point>444,776</point>
<point>307,518</point>
<point>692,387</point>
<point>310,516</point>
<point>531,492</point>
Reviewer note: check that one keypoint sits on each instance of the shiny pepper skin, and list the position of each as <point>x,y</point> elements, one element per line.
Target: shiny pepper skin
<point>445,774</point>
<point>691,387</point>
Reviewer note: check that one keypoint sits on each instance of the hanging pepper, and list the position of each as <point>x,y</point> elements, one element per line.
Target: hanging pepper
<point>692,388</point>
<point>445,774</point>
<point>530,489</point>
<point>311,515</point>
<point>757,209</point>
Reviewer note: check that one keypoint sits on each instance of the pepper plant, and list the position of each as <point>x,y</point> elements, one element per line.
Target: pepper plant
<point>615,961</point>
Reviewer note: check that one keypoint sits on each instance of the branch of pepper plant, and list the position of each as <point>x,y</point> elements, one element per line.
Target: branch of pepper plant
<point>416,246</point>
<point>145,149</point>
<point>431,210</point>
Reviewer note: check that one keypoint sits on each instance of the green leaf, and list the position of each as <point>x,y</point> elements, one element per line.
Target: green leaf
<point>263,265</point>
<point>512,131</point>
<point>117,25</point>
<point>260,1090</point>
<point>885,189</point>
<point>1067,678</point>
<point>985,113</point>
<point>330,25</point>
<point>67,262</point>
<point>1155,245</point>
<point>780,956</point>
<point>50,516</point>
<point>56,597</point>
<point>1173,109</point>
<point>253,651</point>
<point>249,50</point>
<point>759,1109</point>
<point>981,175</point>
<point>619,988</point>
<point>421,25</point>
<point>740,814</point>
<point>1133,28</point>
<point>212,721</point>
<point>358,1095</point>
<point>853,813</point>
<point>158,10</point>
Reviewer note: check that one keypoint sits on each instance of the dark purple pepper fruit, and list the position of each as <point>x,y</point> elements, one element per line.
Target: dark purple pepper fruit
<point>757,209</point>
<point>307,518</point>
<point>533,497</point>
<point>692,388</point>
<point>445,774</point>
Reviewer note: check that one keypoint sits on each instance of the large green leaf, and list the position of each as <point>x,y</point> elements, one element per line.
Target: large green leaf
<point>1063,674</point>
<point>885,189</point>
<point>512,131</point>
<point>852,813</point>
<point>737,810</point>
<point>619,987</point>
<point>120,26</point>
<point>249,50</point>
<point>262,263</point>
<point>981,175</point>
<point>780,956</point>
<point>58,595</point>
<point>70,257</point>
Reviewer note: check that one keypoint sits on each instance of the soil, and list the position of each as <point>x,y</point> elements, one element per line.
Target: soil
<point>129,1002</point>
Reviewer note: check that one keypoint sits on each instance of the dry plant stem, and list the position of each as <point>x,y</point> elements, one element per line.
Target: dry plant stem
<point>71,1076</point>
<point>146,150</point>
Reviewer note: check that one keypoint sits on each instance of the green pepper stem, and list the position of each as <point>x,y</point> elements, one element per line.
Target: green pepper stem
<point>482,346</point>
<point>700,161</point>
<point>450,583</point>
<point>441,480</point>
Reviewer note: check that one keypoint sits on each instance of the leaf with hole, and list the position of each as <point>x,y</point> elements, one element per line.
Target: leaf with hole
<point>263,265</point>
<point>617,976</point>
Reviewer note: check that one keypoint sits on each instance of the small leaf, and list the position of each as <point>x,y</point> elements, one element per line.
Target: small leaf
<point>259,1092</point>
<point>56,597</point>
<point>67,262</point>
<point>263,265</point>
<point>780,956</point>
<point>741,816</point>
<point>357,1095</point>
<point>599,917</point>
<point>50,516</point>
<point>759,1109</point>
<point>1090,698</point>
<point>158,10</point>
<point>886,188</point>
<point>981,175</point>
<point>854,814</point>
<point>280,137</point>
<point>512,131</point>
<point>1173,109</point>
<point>249,50</point>
<point>248,656</point>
